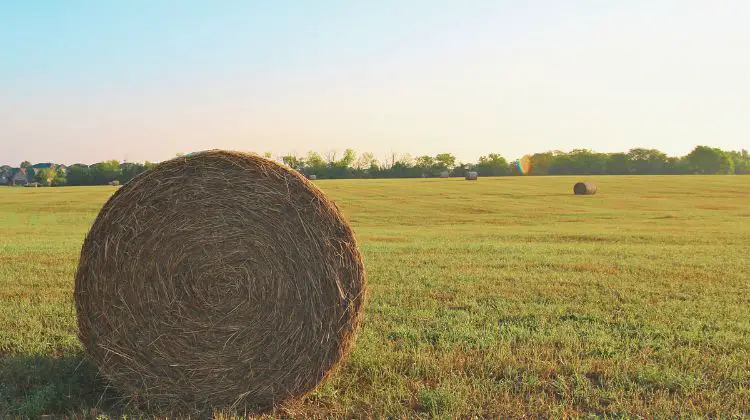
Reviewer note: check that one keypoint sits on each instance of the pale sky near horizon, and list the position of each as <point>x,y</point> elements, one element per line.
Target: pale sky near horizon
<point>85,81</point>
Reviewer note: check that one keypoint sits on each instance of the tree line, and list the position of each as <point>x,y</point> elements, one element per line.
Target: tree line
<point>639,161</point>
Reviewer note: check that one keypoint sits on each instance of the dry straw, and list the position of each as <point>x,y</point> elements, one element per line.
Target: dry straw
<point>220,280</point>
<point>584,188</point>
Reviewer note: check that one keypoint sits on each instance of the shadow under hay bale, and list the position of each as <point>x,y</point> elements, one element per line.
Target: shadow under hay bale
<point>471,176</point>
<point>34,385</point>
<point>219,280</point>
<point>584,188</point>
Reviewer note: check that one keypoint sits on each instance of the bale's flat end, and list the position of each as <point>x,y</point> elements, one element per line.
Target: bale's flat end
<point>218,280</point>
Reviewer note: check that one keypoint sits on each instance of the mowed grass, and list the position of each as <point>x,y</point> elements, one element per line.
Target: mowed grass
<point>501,297</point>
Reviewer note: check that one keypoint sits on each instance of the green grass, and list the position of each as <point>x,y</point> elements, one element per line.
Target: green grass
<point>502,297</point>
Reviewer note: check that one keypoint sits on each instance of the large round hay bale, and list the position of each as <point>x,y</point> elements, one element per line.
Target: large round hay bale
<point>218,280</point>
<point>584,188</point>
<point>471,176</point>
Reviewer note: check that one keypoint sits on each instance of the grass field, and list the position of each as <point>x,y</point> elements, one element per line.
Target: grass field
<point>501,297</point>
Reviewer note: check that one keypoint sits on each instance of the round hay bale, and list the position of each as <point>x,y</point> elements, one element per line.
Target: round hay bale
<point>584,188</point>
<point>219,280</point>
<point>471,176</point>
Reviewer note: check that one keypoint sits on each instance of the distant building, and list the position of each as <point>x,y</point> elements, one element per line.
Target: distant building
<point>18,176</point>
<point>39,166</point>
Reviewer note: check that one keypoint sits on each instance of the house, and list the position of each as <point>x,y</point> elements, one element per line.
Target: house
<point>18,176</point>
<point>39,166</point>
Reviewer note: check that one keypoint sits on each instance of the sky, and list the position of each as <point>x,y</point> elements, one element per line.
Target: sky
<point>136,80</point>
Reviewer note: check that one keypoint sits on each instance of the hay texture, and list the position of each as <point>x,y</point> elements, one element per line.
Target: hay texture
<point>219,280</point>
<point>471,176</point>
<point>584,188</point>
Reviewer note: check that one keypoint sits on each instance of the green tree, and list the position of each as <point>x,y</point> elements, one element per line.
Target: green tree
<point>59,179</point>
<point>492,165</point>
<point>741,161</point>
<point>25,164</point>
<point>366,161</point>
<point>5,173</point>
<point>78,175</point>
<point>647,161</point>
<point>444,162</point>
<point>541,162</point>
<point>315,164</point>
<point>45,176</point>
<point>424,162</point>
<point>342,168</point>
<point>347,160</point>
<point>579,161</point>
<point>294,162</point>
<point>618,164</point>
<point>677,166</point>
<point>710,160</point>
<point>129,170</point>
<point>105,172</point>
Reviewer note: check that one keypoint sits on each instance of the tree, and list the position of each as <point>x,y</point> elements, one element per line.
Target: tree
<point>647,161</point>
<point>25,164</point>
<point>105,172</point>
<point>492,165</point>
<point>78,175</point>
<point>460,169</point>
<point>315,164</point>
<point>561,164</point>
<point>294,162</point>
<point>424,162</point>
<point>579,161</point>
<point>4,173</point>
<point>45,176</point>
<point>710,160</point>
<point>342,168</point>
<point>444,162</point>
<point>741,161</point>
<point>677,166</point>
<point>618,164</point>
<point>346,161</point>
<point>129,170</point>
<point>540,162</point>
<point>366,161</point>
<point>59,179</point>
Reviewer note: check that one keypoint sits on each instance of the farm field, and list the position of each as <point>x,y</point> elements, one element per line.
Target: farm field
<point>502,297</point>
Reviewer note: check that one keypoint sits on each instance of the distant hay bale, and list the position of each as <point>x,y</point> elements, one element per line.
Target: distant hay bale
<point>313,177</point>
<point>445,174</point>
<point>584,188</point>
<point>114,183</point>
<point>219,280</point>
<point>471,176</point>
<point>32,184</point>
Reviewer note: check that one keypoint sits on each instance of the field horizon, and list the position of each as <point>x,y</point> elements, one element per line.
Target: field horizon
<point>505,296</point>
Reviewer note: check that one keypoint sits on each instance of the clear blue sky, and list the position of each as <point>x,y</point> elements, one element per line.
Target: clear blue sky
<point>84,81</point>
